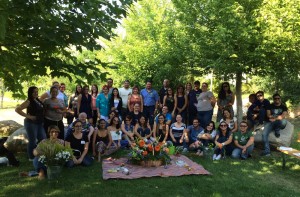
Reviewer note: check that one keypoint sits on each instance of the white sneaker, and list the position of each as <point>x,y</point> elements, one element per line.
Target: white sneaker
<point>185,150</point>
<point>218,157</point>
<point>214,157</point>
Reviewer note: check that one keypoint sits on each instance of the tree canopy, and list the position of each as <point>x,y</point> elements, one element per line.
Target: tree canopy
<point>40,37</point>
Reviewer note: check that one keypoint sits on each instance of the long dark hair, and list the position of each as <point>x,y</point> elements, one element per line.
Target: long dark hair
<point>30,92</point>
<point>227,130</point>
<point>222,92</point>
<point>112,121</point>
<point>113,97</point>
<point>83,89</point>
<point>76,92</point>
<point>214,127</point>
<point>96,89</point>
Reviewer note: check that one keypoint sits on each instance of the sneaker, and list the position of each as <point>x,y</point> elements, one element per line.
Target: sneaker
<point>265,154</point>
<point>218,157</point>
<point>214,157</point>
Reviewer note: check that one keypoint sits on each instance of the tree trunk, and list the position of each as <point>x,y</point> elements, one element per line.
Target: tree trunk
<point>239,101</point>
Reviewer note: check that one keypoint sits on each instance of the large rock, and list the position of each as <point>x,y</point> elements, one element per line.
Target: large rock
<point>17,142</point>
<point>285,139</point>
<point>7,127</point>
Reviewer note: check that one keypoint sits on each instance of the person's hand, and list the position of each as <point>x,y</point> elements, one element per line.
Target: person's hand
<point>32,117</point>
<point>132,138</point>
<point>181,141</point>
<point>79,160</point>
<point>174,140</point>
<point>220,145</point>
<point>244,150</point>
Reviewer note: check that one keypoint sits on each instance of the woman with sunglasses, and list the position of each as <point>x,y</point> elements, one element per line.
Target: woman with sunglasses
<point>102,141</point>
<point>80,145</point>
<point>53,132</point>
<point>115,131</point>
<point>225,100</point>
<point>223,141</point>
<point>244,142</point>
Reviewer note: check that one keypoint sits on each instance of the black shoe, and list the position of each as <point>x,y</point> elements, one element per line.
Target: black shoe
<point>277,134</point>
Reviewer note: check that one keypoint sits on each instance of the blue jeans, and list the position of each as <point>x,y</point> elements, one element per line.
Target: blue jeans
<point>205,117</point>
<point>148,112</point>
<point>269,127</point>
<point>35,131</point>
<point>237,152</point>
<point>87,161</point>
<point>38,165</point>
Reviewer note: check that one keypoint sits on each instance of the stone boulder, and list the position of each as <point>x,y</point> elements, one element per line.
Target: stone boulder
<point>7,127</point>
<point>17,142</point>
<point>285,139</point>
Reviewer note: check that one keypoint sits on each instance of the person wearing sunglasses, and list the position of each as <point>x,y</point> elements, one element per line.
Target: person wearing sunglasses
<point>223,141</point>
<point>276,113</point>
<point>258,110</point>
<point>244,142</point>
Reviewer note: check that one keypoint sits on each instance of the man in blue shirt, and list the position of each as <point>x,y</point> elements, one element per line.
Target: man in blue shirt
<point>151,99</point>
<point>193,131</point>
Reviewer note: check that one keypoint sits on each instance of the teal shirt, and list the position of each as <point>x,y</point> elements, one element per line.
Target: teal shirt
<point>242,138</point>
<point>102,103</point>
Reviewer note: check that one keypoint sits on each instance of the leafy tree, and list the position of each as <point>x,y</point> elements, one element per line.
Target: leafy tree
<point>239,37</point>
<point>40,35</point>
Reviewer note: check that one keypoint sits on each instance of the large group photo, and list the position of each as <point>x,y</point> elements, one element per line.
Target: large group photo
<point>150,98</point>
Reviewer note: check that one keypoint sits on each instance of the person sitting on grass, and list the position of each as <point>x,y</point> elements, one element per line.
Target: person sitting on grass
<point>128,131</point>
<point>53,131</point>
<point>115,131</point>
<point>223,142</point>
<point>208,135</point>
<point>161,129</point>
<point>194,131</point>
<point>231,121</point>
<point>276,113</point>
<point>244,142</point>
<point>102,141</point>
<point>176,130</point>
<point>87,128</point>
<point>142,129</point>
<point>80,145</point>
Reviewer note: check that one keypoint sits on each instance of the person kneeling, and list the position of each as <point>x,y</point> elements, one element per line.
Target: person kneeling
<point>244,142</point>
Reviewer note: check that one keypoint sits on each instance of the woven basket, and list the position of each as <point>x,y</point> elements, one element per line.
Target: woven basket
<point>151,163</point>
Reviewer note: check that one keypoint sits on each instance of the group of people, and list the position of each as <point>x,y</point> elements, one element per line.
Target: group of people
<point>111,118</point>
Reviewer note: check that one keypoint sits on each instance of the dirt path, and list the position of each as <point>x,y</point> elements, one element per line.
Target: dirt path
<point>10,114</point>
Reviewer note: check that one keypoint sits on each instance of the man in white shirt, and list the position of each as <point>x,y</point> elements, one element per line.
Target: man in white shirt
<point>124,93</point>
<point>60,95</point>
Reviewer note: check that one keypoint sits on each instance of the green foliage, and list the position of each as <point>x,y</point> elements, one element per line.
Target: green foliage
<point>43,35</point>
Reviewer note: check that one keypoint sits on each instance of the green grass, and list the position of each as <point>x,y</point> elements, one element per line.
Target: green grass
<point>257,176</point>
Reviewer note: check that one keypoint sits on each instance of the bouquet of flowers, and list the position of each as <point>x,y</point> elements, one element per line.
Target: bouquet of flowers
<point>52,153</point>
<point>149,150</point>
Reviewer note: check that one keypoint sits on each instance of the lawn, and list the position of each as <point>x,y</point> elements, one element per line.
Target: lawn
<point>257,176</point>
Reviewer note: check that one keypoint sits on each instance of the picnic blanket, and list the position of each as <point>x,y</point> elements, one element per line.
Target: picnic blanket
<point>121,169</point>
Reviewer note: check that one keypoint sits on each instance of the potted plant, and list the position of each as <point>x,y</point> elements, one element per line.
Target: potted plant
<point>54,156</point>
<point>150,153</point>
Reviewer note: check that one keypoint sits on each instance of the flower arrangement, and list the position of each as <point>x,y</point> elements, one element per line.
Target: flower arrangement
<point>52,153</point>
<point>149,150</point>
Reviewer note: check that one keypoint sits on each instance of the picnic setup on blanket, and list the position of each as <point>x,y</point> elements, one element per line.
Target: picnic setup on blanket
<point>123,168</point>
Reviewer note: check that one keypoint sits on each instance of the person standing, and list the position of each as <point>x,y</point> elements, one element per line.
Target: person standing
<point>102,103</point>
<point>34,118</point>
<point>73,104</point>
<point>94,94</point>
<point>225,100</point>
<point>276,113</point>
<point>205,106</point>
<point>47,94</point>
<point>192,98</point>
<point>124,92</point>
<point>54,110</point>
<point>163,92</point>
<point>84,103</point>
<point>151,100</point>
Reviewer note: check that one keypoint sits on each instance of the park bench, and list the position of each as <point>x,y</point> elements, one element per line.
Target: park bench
<point>288,151</point>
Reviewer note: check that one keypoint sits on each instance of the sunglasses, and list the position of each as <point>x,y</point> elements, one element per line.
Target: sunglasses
<point>223,125</point>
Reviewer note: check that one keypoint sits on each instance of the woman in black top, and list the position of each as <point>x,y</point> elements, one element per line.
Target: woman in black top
<point>34,119</point>
<point>115,102</point>
<point>80,145</point>
<point>102,141</point>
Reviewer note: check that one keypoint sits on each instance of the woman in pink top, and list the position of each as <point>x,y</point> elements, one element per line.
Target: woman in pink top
<point>134,98</point>
<point>94,93</point>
